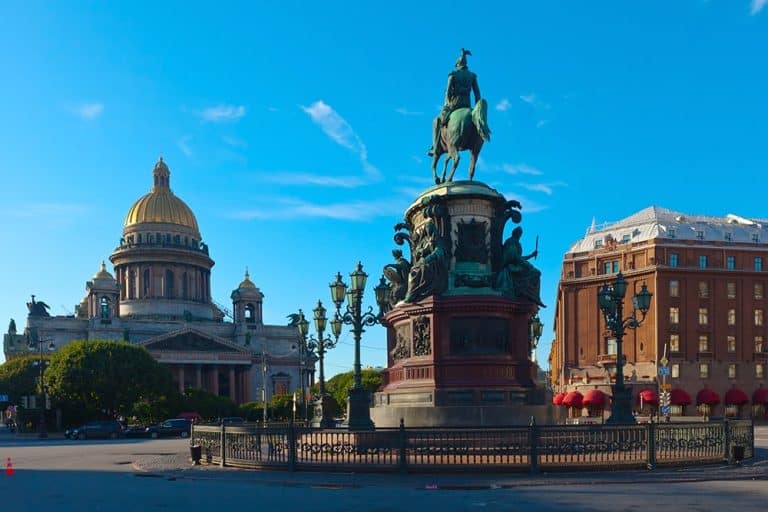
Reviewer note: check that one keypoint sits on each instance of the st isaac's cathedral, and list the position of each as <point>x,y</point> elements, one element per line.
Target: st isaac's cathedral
<point>159,297</point>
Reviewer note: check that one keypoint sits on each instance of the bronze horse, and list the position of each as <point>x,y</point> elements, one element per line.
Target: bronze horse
<point>466,130</point>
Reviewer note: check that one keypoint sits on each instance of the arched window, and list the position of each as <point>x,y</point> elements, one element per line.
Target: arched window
<point>250,313</point>
<point>169,289</point>
<point>145,284</point>
<point>105,308</point>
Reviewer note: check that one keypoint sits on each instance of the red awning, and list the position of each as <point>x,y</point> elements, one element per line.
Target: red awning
<point>707,396</point>
<point>558,399</point>
<point>760,396</point>
<point>649,396</point>
<point>573,399</point>
<point>679,397</point>
<point>595,398</point>
<point>736,397</point>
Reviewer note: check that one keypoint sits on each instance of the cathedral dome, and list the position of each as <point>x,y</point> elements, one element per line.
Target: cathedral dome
<point>161,205</point>
<point>103,273</point>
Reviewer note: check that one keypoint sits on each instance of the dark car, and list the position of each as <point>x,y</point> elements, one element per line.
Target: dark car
<point>176,427</point>
<point>96,430</point>
<point>136,431</point>
<point>230,420</point>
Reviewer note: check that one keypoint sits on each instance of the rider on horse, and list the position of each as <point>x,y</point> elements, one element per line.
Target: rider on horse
<point>461,82</point>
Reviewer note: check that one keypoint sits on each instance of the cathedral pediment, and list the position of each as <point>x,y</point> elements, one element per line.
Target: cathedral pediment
<point>190,340</point>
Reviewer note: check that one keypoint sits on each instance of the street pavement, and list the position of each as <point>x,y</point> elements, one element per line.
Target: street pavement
<point>143,474</point>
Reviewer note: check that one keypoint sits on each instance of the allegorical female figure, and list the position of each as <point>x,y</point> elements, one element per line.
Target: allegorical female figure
<point>518,279</point>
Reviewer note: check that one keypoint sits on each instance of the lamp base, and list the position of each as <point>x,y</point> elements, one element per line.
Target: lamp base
<point>359,410</point>
<point>621,407</point>
<point>322,417</point>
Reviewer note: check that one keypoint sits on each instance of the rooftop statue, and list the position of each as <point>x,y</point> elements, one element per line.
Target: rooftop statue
<point>459,127</point>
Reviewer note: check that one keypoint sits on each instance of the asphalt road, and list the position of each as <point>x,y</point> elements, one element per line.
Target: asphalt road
<point>62,475</point>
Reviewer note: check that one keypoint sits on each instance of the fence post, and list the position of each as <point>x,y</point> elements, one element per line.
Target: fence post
<point>291,447</point>
<point>223,458</point>
<point>403,463</point>
<point>651,456</point>
<point>728,442</point>
<point>533,436</point>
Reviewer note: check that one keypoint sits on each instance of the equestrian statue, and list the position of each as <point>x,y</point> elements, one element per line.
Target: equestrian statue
<point>459,127</point>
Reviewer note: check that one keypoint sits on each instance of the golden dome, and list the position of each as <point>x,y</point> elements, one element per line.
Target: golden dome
<point>103,274</point>
<point>247,283</point>
<point>161,205</point>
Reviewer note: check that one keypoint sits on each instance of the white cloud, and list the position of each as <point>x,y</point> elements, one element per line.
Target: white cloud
<point>183,144</point>
<point>222,113</point>
<point>341,132</point>
<point>541,122</point>
<point>503,105</point>
<point>357,211</point>
<point>545,188</point>
<point>405,112</point>
<point>90,110</point>
<point>520,169</point>
<point>529,98</point>
<point>757,6</point>
<point>233,141</point>
<point>300,178</point>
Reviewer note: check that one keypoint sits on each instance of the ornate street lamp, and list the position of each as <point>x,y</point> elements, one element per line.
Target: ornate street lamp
<point>359,400</point>
<point>322,414</point>
<point>610,298</point>
<point>535,328</point>
<point>37,344</point>
<point>303,327</point>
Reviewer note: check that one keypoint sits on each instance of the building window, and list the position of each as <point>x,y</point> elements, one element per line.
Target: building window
<point>702,261</point>
<point>675,371</point>
<point>607,267</point>
<point>704,370</point>
<point>674,315</point>
<point>731,343</point>
<point>759,370</point>
<point>703,289</point>
<point>703,343</point>
<point>625,239</point>
<point>755,237</point>
<point>758,317</point>
<point>674,259</point>
<point>731,371</point>
<point>731,289</point>
<point>703,316</point>
<point>598,244</point>
<point>758,344</point>
<point>610,345</point>
<point>731,316</point>
<point>759,264</point>
<point>674,288</point>
<point>615,267</point>
<point>672,232</point>
<point>728,237</point>
<point>730,262</point>
<point>758,290</point>
<point>674,343</point>
<point>700,234</point>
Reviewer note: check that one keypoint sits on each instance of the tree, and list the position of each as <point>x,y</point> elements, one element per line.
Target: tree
<point>338,386</point>
<point>208,405</point>
<point>18,377</point>
<point>106,376</point>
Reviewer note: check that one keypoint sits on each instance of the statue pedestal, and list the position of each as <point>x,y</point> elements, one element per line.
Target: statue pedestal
<point>322,417</point>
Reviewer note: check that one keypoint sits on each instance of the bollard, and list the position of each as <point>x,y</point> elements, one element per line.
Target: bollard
<point>534,443</point>
<point>403,461</point>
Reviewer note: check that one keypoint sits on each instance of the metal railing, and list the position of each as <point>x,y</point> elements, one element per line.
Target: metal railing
<point>515,449</point>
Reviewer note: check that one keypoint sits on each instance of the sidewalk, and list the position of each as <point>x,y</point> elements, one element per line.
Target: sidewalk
<point>178,467</point>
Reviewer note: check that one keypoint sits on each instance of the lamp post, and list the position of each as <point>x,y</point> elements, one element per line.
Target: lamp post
<point>264,369</point>
<point>322,414</point>
<point>359,400</point>
<point>302,326</point>
<point>37,345</point>
<point>611,301</point>
<point>535,328</point>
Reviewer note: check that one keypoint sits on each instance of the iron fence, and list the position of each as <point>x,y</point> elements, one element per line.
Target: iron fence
<point>514,449</point>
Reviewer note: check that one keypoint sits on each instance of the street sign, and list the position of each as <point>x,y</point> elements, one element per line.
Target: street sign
<point>664,360</point>
<point>665,409</point>
<point>663,370</point>
<point>3,398</point>
<point>666,386</point>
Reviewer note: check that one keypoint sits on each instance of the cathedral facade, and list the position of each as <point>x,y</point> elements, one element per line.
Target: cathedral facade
<point>159,297</point>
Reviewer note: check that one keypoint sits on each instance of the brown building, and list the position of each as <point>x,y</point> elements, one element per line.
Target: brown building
<point>709,279</point>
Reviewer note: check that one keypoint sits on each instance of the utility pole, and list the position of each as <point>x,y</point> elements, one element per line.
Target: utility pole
<point>264,384</point>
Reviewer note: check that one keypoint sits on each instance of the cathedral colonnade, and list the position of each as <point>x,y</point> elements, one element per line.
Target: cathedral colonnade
<point>230,380</point>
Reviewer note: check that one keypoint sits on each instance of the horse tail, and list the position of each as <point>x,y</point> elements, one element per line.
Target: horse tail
<point>480,119</point>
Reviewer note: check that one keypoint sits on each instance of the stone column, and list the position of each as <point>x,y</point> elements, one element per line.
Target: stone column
<point>232,384</point>
<point>215,383</point>
<point>198,376</point>
<point>181,379</point>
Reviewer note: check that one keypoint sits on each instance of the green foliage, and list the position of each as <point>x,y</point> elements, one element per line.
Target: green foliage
<point>251,411</point>
<point>155,411</point>
<point>339,385</point>
<point>105,377</point>
<point>281,407</point>
<point>208,405</point>
<point>18,376</point>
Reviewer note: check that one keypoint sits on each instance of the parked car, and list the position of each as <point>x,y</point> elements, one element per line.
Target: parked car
<point>136,431</point>
<point>175,427</point>
<point>230,420</point>
<point>111,429</point>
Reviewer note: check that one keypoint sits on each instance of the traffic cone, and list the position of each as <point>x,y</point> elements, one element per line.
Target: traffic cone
<point>9,467</point>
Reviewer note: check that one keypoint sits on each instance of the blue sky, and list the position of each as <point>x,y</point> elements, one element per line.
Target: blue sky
<point>296,131</point>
